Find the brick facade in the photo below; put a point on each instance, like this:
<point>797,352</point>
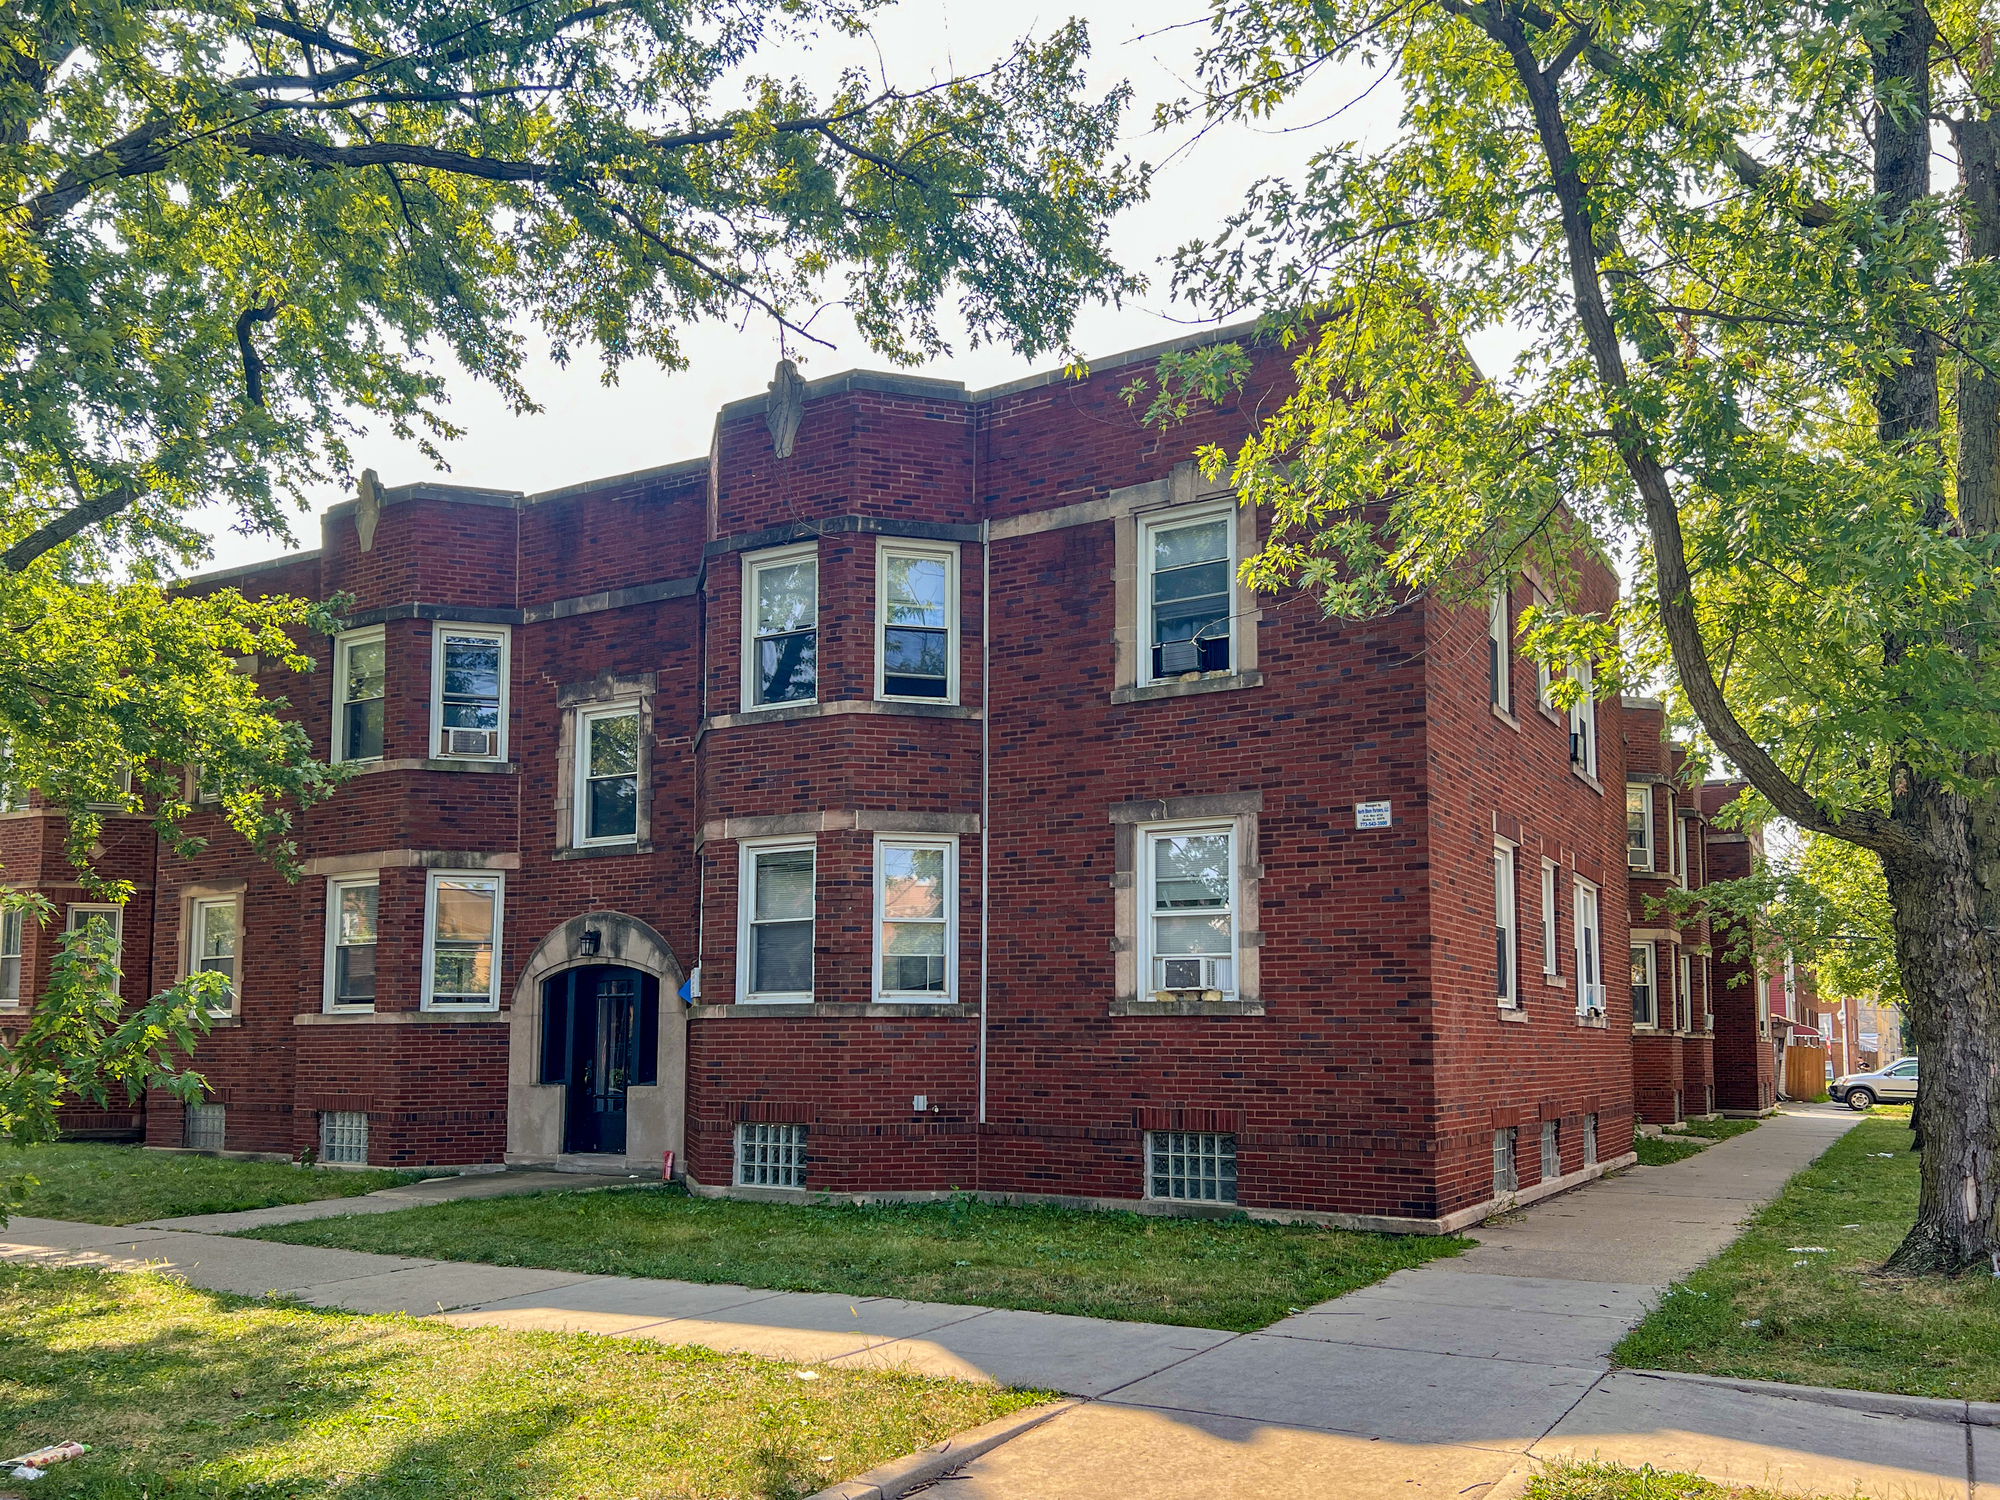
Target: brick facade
<point>1350,1046</point>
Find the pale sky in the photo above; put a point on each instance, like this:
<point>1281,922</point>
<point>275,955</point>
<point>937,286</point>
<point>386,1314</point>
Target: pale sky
<point>652,416</point>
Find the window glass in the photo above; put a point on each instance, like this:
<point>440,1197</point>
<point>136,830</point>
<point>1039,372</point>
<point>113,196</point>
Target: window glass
<point>1642,985</point>
<point>1498,663</point>
<point>363,679</point>
<point>10,958</point>
<point>914,912</point>
<point>1639,827</point>
<point>114,916</point>
<point>353,914</point>
<point>916,627</point>
<point>1583,723</point>
<point>469,684</point>
<point>215,942</point>
<point>1191,587</point>
<point>1551,947</point>
<point>611,775</point>
<point>1503,927</point>
<point>1192,917</point>
<point>784,631</point>
<point>1191,1167</point>
<point>462,922</point>
<point>781,922</point>
<point>13,796</point>
<point>1906,1069</point>
<point>1589,951</point>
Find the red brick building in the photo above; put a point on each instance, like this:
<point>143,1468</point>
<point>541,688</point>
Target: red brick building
<point>905,798</point>
<point>1672,980</point>
<point>1746,1053</point>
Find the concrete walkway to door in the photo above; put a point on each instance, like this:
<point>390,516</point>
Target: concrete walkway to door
<point>1442,1379</point>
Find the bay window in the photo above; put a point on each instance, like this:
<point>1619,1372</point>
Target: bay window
<point>781,627</point>
<point>775,937</point>
<point>461,942</point>
<point>360,678</point>
<point>917,622</point>
<point>915,918</point>
<point>351,904</point>
<point>469,692</point>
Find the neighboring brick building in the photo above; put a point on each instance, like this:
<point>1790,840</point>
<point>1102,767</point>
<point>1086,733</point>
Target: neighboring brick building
<point>1000,839</point>
<point>1673,1014</point>
<point>1746,1055</point>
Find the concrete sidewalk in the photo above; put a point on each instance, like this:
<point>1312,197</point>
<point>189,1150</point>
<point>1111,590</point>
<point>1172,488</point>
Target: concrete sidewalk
<point>1445,1378</point>
<point>391,1200</point>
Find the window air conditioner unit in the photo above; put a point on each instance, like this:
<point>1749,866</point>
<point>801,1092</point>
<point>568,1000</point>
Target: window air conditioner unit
<point>471,742</point>
<point>1177,657</point>
<point>1575,748</point>
<point>1193,973</point>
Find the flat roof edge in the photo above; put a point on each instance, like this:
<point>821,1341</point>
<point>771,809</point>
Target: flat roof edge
<point>661,471</point>
<point>223,575</point>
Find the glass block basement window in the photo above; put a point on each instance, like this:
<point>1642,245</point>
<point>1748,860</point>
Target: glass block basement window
<point>204,1128</point>
<point>771,1156</point>
<point>343,1137</point>
<point>1190,1167</point>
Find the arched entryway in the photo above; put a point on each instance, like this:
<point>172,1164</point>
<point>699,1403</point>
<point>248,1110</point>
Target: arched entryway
<point>598,1056</point>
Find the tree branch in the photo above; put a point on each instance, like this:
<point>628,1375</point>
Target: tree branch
<point>253,367</point>
<point>54,533</point>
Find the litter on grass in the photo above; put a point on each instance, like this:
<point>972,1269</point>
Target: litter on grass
<point>807,1374</point>
<point>1807,1249</point>
<point>32,1466</point>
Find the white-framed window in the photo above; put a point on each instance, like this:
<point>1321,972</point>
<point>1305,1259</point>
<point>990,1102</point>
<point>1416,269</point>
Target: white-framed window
<point>469,680</point>
<point>360,681</point>
<point>212,943</point>
<point>1506,936</point>
<point>80,915</point>
<point>343,1137</point>
<point>775,934</point>
<point>771,1156</point>
<point>1707,994</point>
<point>1681,851</point>
<point>1583,722</point>
<point>781,626</point>
<point>352,909</point>
<point>916,916</point>
<point>916,621</point>
<point>123,800</point>
<point>1589,934</point>
<point>607,775</point>
<point>10,957</point>
<point>1684,994</point>
<point>206,1127</point>
<point>1551,1150</point>
<point>462,941</point>
<point>1188,911</point>
<point>1499,658</point>
<point>1189,563</point>
<point>1542,677</point>
<point>1551,944</point>
<point>1638,825</point>
<point>1644,985</point>
<point>1187,1166</point>
<point>1505,1178</point>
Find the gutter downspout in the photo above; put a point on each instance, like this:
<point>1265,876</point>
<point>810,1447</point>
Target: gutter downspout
<point>985,761</point>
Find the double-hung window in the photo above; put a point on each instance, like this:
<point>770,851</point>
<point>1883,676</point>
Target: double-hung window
<point>781,627</point>
<point>916,903</point>
<point>1638,825</point>
<point>917,622</point>
<point>1190,568</point>
<point>351,907</point>
<point>1644,991</point>
<point>462,942</point>
<point>469,691</point>
<point>1542,696</point>
<point>1681,851</point>
<point>212,940</point>
<point>360,678</point>
<point>113,918</point>
<point>1189,912</point>
<point>1589,951</point>
<point>1583,722</point>
<point>1499,660</point>
<point>775,940</point>
<point>1684,997</point>
<point>607,775</point>
<point>1551,949</point>
<point>10,957</point>
<point>1506,937</point>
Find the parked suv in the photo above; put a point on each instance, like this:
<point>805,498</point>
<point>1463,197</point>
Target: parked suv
<point>1895,1084</point>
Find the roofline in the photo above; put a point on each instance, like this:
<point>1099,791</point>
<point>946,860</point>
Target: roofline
<point>223,575</point>
<point>660,471</point>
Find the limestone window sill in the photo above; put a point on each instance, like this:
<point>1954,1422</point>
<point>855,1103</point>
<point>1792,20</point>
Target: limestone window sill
<point>486,767</point>
<point>1586,778</point>
<point>753,1010</point>
<point>1189,687</point>
<point>400,1018</point>
<point>1505,717</point>
<point>1511,1013</point>
<point>1133,1006</point>
<point>604,851</point>
<point>1595,1023</point>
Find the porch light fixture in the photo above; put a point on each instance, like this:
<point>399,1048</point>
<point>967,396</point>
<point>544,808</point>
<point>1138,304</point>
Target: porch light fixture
<point>588,944</point>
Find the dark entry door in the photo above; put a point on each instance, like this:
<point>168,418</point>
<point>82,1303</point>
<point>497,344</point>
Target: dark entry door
<point>599,1035</point>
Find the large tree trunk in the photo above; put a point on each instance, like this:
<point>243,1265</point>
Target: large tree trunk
<point>1945,909</point>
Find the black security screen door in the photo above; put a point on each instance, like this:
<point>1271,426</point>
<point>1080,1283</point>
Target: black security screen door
<point>600,1035</point>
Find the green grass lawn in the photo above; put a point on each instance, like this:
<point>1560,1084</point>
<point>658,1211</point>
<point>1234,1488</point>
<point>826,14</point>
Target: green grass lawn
<point>1598,1481</point>
<point>1719,1130</point>
<point>129,1184</point>
<point>183,1392</point>
<point>1205,1273</point>
<point>1661,1151</point>
<point>1798,1298</point>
